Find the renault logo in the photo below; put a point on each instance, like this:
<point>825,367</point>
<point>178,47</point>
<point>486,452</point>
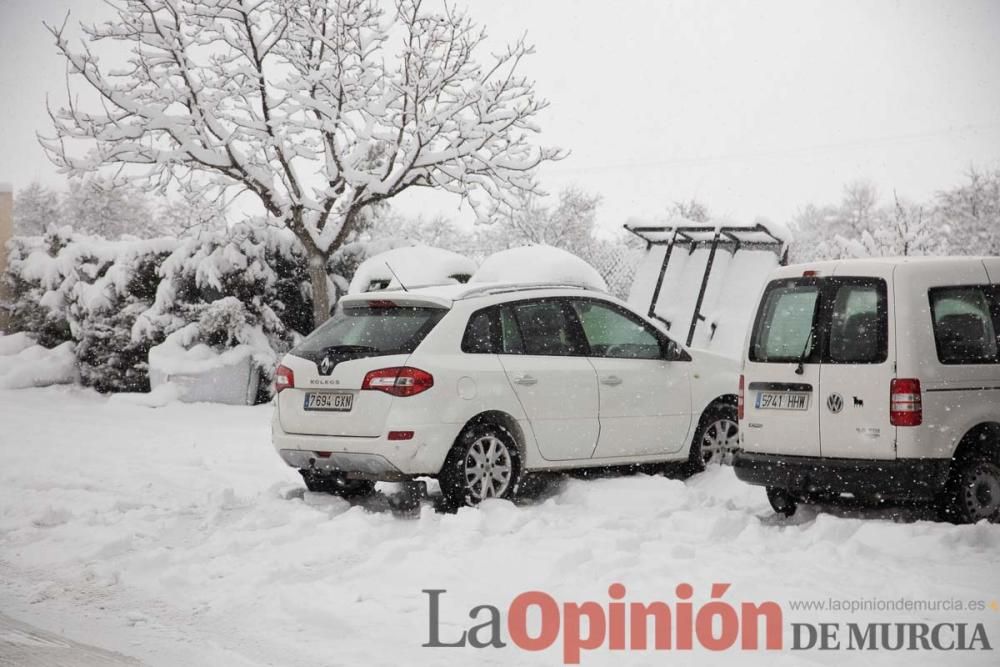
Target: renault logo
<point>835,402</point>
<point>326,366</point>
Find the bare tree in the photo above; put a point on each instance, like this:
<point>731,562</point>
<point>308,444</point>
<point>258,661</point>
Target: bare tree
<point>307,106</point>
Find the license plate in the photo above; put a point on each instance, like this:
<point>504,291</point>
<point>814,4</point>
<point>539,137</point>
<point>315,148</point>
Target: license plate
<point>782,400</point>
<point>329,400</point>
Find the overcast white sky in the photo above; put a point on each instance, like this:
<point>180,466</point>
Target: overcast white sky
<point>755,108</point>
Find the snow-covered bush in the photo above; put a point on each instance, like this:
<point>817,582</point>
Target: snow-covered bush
<point>241,286</point>
<point>71,287</point>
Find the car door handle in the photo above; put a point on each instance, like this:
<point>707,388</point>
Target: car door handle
<point>612,380</point>
<point>525,379</point>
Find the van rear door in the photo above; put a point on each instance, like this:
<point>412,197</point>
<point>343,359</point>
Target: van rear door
<point>782,371</point>
<point>857,367</point>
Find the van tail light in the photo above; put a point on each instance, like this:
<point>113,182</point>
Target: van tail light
<point>398,381</point>
<point>284,378</point>
<point>740,401</point>
<point>905,404</point>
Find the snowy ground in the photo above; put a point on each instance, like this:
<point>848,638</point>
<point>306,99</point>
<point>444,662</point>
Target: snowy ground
<point>175,536</point>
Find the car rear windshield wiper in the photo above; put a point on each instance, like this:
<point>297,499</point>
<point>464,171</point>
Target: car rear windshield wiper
<point>801,368</point>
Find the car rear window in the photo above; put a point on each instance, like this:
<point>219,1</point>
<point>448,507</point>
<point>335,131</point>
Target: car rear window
<point>371,331</point>
<point>966,320</point>
<point>783,332</point>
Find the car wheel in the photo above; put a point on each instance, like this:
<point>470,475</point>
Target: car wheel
<point>337,485</point>
<point>484,463</point>
<point>782,502</point>
<point>716,440</point>
<point>973,492</point>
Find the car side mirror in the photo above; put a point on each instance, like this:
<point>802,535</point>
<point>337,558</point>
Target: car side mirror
<point>674,352</point>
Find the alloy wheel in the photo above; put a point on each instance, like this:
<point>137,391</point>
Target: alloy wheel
<point>488,468</point>
<point>719,441</point>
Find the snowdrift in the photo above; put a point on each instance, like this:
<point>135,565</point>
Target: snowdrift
<point>24,364</point>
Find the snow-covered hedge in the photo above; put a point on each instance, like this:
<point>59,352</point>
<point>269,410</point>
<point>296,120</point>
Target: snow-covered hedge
<point>242,289</point>
<point>116,300</point>
<point>89,291</point>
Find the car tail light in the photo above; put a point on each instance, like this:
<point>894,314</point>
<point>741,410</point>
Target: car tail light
<point>284,378</point>
<point>400,435</point>
<point>399,381</point>
<point>905,404</point>
<point>739,401</point>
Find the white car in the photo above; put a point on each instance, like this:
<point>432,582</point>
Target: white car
<point>876,379</point>
<point>478,384</point>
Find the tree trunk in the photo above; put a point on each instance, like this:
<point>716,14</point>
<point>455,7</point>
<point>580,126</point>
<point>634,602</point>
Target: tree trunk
<point>320,288</point>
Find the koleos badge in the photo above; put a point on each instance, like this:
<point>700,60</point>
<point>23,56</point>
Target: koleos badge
<point>835,402</point>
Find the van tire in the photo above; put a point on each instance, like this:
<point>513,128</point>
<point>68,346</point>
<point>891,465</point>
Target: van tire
<point>492,449</point>
<point>972,492</point>
<point>716,418</point>
<point>782,502</point>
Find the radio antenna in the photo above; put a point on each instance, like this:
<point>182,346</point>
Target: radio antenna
<point>396,277</point>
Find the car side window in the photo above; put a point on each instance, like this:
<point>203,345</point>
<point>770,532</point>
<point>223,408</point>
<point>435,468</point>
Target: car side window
<point>612,334</point>
<point>964,327</point>
<point>859,325</point>
<point>546,328</point>
<point>510,334</point>
<point>479,335</point>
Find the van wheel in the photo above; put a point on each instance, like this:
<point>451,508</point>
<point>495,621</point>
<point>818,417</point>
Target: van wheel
<point>335,484</point>
<point>972,493</point>
<point>716,440</point>
<point>484,463</point>
<point>782,501</point>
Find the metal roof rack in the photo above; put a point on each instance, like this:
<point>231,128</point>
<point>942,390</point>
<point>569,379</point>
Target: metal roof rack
<point>692,236</point>
<point>502,288</point>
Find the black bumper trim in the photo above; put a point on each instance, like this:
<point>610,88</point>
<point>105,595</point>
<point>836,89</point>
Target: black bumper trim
<point>911,479</point>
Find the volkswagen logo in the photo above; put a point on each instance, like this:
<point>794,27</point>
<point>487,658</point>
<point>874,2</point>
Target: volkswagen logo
<point>835,402</point>
<point>326,366</point>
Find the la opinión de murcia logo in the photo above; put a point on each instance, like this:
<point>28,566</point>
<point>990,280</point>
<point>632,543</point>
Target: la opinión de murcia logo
<point>536,621</point>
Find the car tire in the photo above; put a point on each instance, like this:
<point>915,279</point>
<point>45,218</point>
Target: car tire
<point>716,439</point>
<point>483,463</point>
<point>782,502</point>
<point>337,485</point>
<point>972,492</point>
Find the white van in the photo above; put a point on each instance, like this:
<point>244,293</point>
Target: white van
<point>876,379</point>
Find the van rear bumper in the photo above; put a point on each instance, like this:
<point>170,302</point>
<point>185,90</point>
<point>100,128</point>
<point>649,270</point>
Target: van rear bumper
<point>911,479</point>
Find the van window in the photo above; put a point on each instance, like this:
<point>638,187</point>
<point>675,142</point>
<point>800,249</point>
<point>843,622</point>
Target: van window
<point>965,329</point>
<point>784,327</point>
<point>859,324</point>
